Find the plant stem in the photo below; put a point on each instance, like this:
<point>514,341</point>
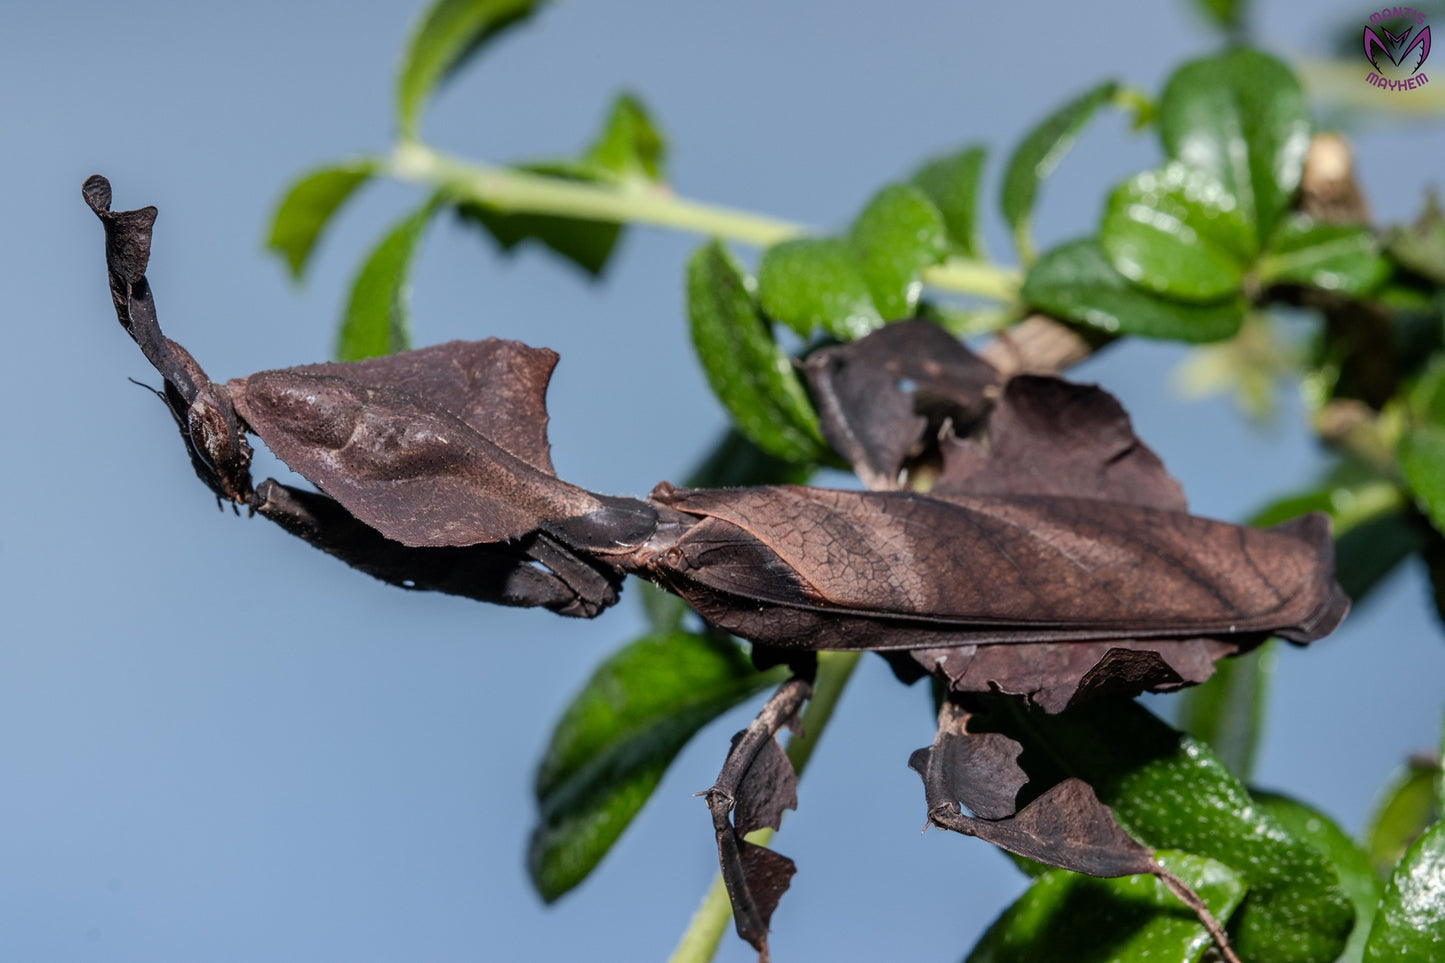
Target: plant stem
<point>700,941</point>
<point>508,189</point>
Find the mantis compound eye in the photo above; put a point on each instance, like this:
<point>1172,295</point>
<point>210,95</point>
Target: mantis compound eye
<point>217,440</point>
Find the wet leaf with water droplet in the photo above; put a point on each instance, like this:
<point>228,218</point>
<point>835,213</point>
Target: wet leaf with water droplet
<point>1242,116</point>
<point>1076,281</point>
<point>1180,233</point>
<point>1131,919</point>
<point>1411,922</point>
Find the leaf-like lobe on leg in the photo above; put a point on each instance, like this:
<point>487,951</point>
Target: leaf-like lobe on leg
<point>755,786</point>
<point>1048,436</point>
<point>1067,826</point>
<point>881,399</point>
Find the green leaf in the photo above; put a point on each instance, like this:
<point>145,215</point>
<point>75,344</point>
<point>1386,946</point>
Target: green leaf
<point>1332,257</point>
<point>446,35</point>
<point>1422,463</point>
<point>1227,15</point>
<point>1170,791</point>
<point>631,146</point>
<point>1040,151</point>
<point>1440,772</point>
<point>1178,232</point>
<point>1133,919</point>
<point>951,183</point>
<point>1242,116</point>
<point>816,283</point>
<point>584,243</point>
<point>309,204</point>
<point>965,322</point>
<point>735,462</point>
<point>1077,282</point>
<point>664,610</point>
<point>378,315</point>
<point>1408,804</point>
<point>1366,554</point>
<point>752,377</point>
<point>617,738</point>
<point>628,152</point>
<point>1427,395</point>
<point>1227,712</point>
<point>1411,922</point>
<point>1357,879</point>
<point>897,235</point>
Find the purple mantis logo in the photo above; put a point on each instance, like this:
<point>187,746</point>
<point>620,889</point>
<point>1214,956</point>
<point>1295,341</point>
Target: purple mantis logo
<point>1389,33</point>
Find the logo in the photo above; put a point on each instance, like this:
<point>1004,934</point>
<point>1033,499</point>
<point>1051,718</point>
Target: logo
<point>1391,40</point>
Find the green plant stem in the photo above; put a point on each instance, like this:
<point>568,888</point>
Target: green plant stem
<point>507,189</point>
<point>700,941</point>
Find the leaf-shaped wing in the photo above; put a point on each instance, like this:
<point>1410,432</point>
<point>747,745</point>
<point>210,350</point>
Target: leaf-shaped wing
<point>894,570</point>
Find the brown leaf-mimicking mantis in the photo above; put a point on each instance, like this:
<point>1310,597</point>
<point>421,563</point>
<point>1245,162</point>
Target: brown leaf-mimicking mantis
<point>1052,557</point>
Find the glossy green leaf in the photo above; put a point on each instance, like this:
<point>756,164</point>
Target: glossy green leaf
<point>308,206</point>
<point>1227,712</point>
<point>1077,282</point>
<point>629,151</point>
<point>752,376</point>
<point>1170,791</point>
<point>952,182</point>
<point>1242,116</point>
<point>1357,878</point>
<point>898,234</point>
<point>1332,257</point>
<point>1411,922</point>
<point>1179,233</point>
<point>1133,919</point>
<point>617,738</point>
<point>378,315</point>
<point>1422,462</point>
<point>1039,153</point>
<point>446,35</point>
<point>816,283</point>
<point>1407,805</point>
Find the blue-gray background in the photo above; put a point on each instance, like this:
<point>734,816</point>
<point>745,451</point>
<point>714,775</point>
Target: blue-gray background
<point>217,744</point>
